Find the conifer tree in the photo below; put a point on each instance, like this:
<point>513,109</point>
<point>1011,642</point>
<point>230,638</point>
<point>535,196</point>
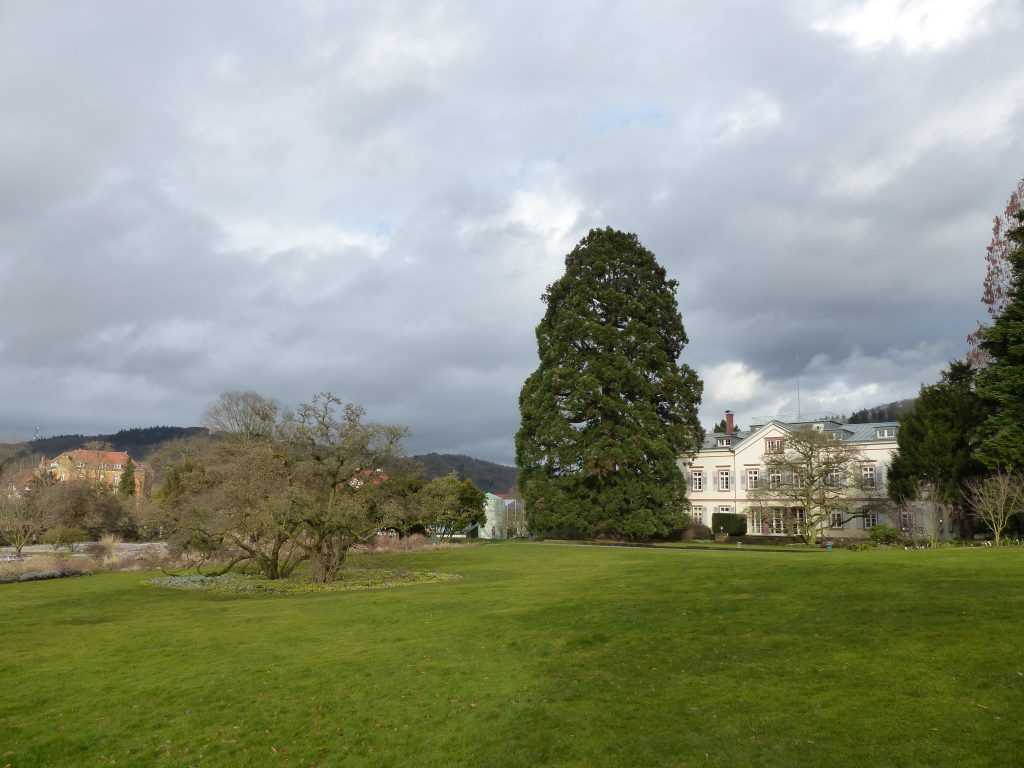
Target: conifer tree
<point>127,483</point>
<point>936,454</point>
<point>1001,383</point>
<point>610,409</point>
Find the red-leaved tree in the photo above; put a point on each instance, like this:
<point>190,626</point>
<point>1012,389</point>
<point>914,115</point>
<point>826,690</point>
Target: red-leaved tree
<point>997,270</point>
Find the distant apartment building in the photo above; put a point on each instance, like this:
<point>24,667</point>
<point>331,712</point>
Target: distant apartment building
<point>101,467</point>
<point>730,464</point>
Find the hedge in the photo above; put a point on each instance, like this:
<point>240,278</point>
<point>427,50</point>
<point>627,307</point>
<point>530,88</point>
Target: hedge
<point>730,522</point>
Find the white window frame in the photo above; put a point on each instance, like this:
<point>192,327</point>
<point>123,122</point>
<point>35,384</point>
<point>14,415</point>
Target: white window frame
<point>724,509</point>
<point>773,445</point>
<point>755,521</point>
<point>777,520</point>
<point>799,520</point>
<point>868,476</point>
<point>870,519</point>
<point>724,442</point>
<point>775,479</point>
<point>697,480</point>
<point>836,519</point>
<point>753,477</point>
<point>697,514</point>
<point>725,480</point>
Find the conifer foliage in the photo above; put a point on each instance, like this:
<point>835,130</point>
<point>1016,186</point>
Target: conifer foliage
<point>610,409</point>
<point>1001,382</point>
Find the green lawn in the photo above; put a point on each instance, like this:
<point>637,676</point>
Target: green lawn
<point>543,654</point>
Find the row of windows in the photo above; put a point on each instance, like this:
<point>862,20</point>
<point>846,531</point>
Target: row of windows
<point>868,478</point>
<point>774,521</point>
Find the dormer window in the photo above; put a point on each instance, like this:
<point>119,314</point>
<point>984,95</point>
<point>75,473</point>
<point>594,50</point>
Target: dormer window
<point>724,442</point>
<point>884,432</point>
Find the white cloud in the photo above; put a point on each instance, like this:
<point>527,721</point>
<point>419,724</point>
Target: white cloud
<point>733,382</point>
<point>754,113</point>
<point>917,25</point>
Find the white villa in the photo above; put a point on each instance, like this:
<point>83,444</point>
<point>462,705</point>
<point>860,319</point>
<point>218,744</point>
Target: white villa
<point>731,462</point>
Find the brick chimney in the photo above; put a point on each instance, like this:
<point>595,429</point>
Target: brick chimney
<point>729,427</point>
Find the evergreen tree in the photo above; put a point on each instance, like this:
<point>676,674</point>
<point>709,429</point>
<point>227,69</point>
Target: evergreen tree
<point>1001,383</point>
<point>127,483</point>
<point>610,409</point>
<point>935,441</point>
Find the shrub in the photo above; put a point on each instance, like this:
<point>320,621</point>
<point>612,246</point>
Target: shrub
<point>104,551</point>
<point>884,534</point>
<point>63,536</point>
<point>698,532</point>
<point>730,523</point>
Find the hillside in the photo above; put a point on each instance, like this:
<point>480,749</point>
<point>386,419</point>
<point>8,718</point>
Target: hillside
<point>138,442</point>
<point>488,476</point>
<point>889,412</point>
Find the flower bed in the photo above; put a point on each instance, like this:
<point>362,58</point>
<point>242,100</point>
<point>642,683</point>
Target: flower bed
<point>352,580</point>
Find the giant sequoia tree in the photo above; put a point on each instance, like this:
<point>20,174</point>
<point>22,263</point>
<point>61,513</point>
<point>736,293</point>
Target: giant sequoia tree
<point>1001,383</point>
<point>610,409</point>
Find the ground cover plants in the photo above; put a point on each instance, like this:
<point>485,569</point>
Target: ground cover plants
<point>540,654</point>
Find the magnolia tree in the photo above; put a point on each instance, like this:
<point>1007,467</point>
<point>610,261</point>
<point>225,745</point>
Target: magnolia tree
<point>996,286</point>
<point>307,486</point>
<point>808,483</point>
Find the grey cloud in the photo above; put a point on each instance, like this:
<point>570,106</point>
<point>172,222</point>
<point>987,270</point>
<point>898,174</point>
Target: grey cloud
<point>371,200</point>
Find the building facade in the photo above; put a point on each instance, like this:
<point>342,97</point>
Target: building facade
<point>101,467</point>
<point>731,464</point>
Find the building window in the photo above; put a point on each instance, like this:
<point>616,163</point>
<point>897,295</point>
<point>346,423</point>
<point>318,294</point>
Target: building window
<point>724,478</point>
<point>870,519</point>
<point>834,478</point>
<point>906,520</point>
<point>755,522</point>
<point>778,521</point>
<point>697,480</point>
<point>774,479</point>
<point>697,513</point>
<point>773,445</point>
<point>884,432</point>
<point>867,475</point>
<point>724,442</point>
<point>725,509</point>
<point>753,475</point>
<point>836,519</point>
<point>799,518</point>
<point>797,482</point>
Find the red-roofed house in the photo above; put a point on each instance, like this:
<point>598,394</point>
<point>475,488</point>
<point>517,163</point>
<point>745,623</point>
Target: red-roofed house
<point>104,467</point>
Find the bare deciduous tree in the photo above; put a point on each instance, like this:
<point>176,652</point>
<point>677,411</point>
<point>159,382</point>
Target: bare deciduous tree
<point>809,481</point>
<point>996,499</point>
<point>21,522</point>
<point>247,414</point>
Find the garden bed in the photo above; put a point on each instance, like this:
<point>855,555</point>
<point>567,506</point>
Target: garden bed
<point>353,580</point>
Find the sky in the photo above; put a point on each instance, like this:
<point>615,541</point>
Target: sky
<point>370,198</point>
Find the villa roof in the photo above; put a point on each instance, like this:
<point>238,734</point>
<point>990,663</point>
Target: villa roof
<point>854,433</point>
<point>95,458</point>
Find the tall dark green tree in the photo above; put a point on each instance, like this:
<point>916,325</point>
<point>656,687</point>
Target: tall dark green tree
<point>610,409</point>
<point>1001,382</point>
<point>127,483</point>
<point>936,452</point>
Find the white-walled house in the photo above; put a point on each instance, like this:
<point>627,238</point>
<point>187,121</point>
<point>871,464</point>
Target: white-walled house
<point>730,463</point>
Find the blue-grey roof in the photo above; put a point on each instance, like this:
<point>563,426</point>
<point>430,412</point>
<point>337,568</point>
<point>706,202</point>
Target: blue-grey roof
<point>855,433</point>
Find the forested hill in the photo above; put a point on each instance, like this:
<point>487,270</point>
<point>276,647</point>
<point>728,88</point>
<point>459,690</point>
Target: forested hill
<point>488,476</point>
<point>139,442</point>
<point>888,412</point>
